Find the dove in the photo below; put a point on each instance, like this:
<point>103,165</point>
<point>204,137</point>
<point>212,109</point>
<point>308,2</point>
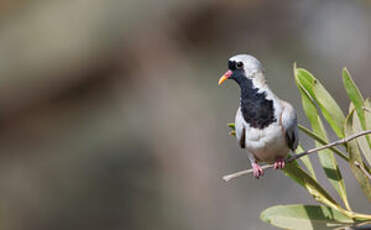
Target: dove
<point>266,126</point>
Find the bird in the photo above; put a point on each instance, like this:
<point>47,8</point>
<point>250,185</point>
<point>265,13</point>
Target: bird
<point>266,126</point>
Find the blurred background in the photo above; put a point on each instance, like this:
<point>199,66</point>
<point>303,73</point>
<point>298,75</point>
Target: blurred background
<point>111,116</point>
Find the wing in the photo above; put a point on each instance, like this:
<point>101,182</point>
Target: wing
<point>240,129</point>
<point>289,123</point>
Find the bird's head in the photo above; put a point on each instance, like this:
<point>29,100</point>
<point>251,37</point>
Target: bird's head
<point>243,66</point>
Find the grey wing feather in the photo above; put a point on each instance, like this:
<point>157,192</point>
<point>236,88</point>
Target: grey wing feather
<point>240,129</point>
<point>290,126</point>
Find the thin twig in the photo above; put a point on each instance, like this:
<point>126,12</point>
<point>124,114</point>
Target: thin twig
<point>356,163</point>
<point>297,156</point>
<point>366,109</point>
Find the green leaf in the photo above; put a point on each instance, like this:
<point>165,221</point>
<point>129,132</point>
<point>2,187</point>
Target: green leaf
<point>306,161</point>
<point>326,157</point>
<point>295,172</point>
<point>362,141</point>
<point>304,217</point>
<point>355,156</point>
<point>356,98</point>
<point>231,125</point>
<point>329,108</point>
<point>233,131</point>
<point>367,109</point>
<point>354,95</point>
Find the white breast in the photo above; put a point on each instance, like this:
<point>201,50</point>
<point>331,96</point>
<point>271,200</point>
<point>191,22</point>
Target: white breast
<point>268,143</point>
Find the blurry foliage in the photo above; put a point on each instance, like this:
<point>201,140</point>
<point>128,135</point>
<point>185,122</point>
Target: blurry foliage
<point>316,100</point>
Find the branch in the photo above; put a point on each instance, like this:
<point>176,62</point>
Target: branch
<point>366,109</point>
<point>362,169</point>
<point>297,156</point>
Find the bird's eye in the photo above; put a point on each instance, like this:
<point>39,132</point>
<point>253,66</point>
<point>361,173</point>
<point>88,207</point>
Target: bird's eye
<point>239,65</point>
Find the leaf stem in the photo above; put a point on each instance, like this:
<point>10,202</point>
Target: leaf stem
<point>356,163</point>
<point>319,139</point>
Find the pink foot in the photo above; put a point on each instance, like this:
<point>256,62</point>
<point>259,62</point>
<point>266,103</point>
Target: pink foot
<point>258,171</point>
<point>279,163</point>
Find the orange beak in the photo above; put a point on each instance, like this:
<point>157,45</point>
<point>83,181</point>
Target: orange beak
<point>225,77</point>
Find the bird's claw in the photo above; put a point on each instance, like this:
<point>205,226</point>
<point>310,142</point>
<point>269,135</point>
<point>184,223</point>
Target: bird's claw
<point>257,170</point>
<point>279,163</point>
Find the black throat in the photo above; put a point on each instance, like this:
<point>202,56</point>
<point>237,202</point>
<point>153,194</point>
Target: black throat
<point>256,109</point>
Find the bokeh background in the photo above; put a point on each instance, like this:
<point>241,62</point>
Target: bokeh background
<point>111,117</point>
